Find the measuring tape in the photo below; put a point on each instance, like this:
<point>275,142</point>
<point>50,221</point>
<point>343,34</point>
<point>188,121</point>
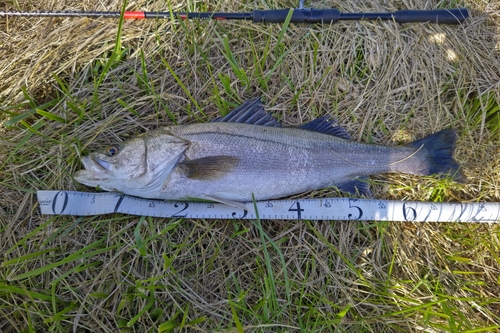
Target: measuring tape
<point>84,204</point>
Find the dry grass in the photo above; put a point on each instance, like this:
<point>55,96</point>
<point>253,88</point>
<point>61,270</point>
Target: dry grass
<point>387,83</point>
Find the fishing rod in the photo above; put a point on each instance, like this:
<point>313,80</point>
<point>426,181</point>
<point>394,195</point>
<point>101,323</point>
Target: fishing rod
<point>299,15</point>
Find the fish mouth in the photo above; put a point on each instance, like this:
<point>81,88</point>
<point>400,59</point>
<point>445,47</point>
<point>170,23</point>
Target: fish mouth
<point>103,164</point>
<point>93,168</point>
<point>92,163</point>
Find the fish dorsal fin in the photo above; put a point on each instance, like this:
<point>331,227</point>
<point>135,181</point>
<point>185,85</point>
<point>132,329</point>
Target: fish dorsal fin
<point>326,125</point>
<point>210,167</point>
<point>250,112</point>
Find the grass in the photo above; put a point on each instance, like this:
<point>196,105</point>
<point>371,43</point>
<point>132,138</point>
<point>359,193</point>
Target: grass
<point>69,86</point>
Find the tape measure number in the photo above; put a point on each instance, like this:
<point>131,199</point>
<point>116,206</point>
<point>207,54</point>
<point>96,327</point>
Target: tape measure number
<point>85,204</point>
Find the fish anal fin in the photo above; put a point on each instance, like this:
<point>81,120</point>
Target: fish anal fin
<point>251,112</point>
<point>358,186</point>
<point>210,167</point>
<point>326,125</point>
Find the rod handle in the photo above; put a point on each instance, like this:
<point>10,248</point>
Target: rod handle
<point>440,16</point>
<point>298,16</point>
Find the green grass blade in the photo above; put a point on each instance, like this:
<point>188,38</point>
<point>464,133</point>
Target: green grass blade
<point>14,120</point>
<point>239,327</point>
<point>50,116</point>
<point>37,126</point>
<point>186,91</point>
<point>148,306</point>
<point>31,294</point>
<point>79,255</point>
<point>283,31</point>
<point>138,239</point>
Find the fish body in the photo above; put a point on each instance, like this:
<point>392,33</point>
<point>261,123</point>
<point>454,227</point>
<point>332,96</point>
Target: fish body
<point>247,153</point>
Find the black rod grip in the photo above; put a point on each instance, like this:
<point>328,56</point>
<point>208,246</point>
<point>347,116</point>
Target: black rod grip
<point>298,16</point>
<point>440,16</point>
<point>308,15</point>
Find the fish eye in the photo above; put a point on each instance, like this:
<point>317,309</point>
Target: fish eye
<point>112,150</point>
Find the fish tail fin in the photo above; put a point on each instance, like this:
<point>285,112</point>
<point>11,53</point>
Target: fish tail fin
<point>439,148</point>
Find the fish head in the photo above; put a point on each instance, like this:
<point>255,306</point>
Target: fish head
<point>138,166</point>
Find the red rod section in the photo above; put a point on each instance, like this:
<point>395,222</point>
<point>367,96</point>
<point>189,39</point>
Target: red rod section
<point>134,15</point>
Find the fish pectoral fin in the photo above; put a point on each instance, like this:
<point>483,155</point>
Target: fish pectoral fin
<point>221,197</point>
<point>210,167</point>
<point>359,186</point>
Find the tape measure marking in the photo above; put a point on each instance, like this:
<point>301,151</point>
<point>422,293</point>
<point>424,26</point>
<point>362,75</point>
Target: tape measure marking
<point>85,204</point>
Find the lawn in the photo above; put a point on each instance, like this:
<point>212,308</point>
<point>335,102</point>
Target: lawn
<point>72,85</point>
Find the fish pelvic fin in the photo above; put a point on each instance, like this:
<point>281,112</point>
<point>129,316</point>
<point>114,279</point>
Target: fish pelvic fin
<point>439,149</point>
<point>224,198</point>
<point>210,167</point>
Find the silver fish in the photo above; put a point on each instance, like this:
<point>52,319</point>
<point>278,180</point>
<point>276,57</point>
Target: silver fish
<point>247,152</point>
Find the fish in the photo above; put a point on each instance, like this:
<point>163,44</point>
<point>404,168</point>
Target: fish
<point>247,155</point>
